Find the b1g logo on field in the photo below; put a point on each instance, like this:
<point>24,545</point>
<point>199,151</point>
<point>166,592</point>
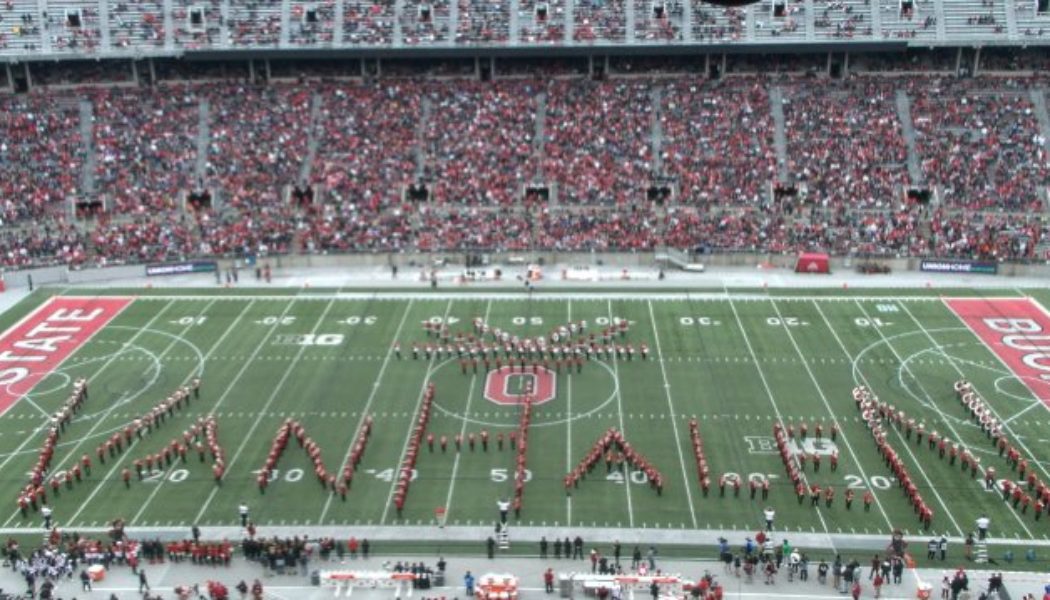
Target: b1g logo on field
<point>510,386</point>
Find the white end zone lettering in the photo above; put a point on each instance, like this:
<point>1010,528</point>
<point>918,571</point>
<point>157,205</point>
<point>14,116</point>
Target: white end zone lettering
<point>40,342</point>
<point>1015,330</point>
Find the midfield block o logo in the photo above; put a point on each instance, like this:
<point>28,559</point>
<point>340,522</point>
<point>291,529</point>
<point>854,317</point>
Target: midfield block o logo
<point>510,385</point>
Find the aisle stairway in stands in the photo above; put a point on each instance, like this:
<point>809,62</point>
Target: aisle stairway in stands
<point>306,169</point>
<point>1010,8</point>
<point>87,140</point>
<point>776,108</point>
<point>286,18</point>
<point>657,135</point>
<point>420,150</point>
<point>908,131</point>
<point>942,26</point>
<point>203,139</point>
<point>1038,96</point>
<point>538,146</point>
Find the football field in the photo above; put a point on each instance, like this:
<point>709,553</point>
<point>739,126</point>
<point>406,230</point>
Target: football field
<point>737,362</point>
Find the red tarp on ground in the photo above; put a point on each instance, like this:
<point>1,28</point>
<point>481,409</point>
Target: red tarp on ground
<point>812,262</point>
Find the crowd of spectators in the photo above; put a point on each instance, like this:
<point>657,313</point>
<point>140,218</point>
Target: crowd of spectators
<point>541,21</point>
<point>194,34</point>
<point>658,21</point>
<point>145,146</point>
<point>843,18</point>
<point>368,22</point>
<point>40,156</point>
<point>75,29</point>
<point>368,142</point>
<point>598,140</point>
<point>984,148</point>
<point>442,164</point>
<point>479,141</point>
<point>258,140</point>
<point>75,26</point>
<point>254,24</point>
<point>138,24</point>
<point>311,25</point>
<point>718,140</point>
<point>846,144</point>
<point>483,21</point>
<point>717,24</point>
<point>425,22</point>
<point>599,21</point>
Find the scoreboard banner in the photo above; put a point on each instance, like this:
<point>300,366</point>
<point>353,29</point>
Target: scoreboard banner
<point>182,268</point>
<point>979,267</point>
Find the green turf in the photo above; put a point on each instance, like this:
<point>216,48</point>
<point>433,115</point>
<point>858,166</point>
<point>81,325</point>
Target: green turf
<point>735,364</point>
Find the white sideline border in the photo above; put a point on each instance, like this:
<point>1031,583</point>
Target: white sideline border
<point>497,296</point>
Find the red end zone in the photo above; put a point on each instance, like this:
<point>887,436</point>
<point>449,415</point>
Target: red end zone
<point>1017,330</point>
<point>37,344</point>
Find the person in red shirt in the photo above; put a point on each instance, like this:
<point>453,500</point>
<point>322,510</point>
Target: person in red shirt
<point>548,581</point>
<point>352,547</point>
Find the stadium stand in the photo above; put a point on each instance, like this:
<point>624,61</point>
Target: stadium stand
<point>73,27</point>
<point>568,163</point>
<point>492,142</point>
<point>599,21</point>
<point>146,147</point>
<point>40,156</point>
<point>718,141</point>
<point>598,147</point>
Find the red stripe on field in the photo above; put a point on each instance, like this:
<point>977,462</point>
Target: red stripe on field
<point>36,345</point>
<point>1017,330</point>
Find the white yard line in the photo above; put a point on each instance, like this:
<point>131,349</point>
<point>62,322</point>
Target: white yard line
<point>1034,405</point>
<point>674,415</point>
<point>772,401</point>
<point>230,386</point>
<point>262,413</point>
<point>99,420</point>
<point>368,406</point>
<point>929,399</point>
<point>117,464</point>
<point>568,433</point>
<point>415,413</point>
<point>907,446</point>
<point>827,405</point>
<point>463,431</point>
<point>952,361</point>
<point>619,410</point>
<point>47,421</point>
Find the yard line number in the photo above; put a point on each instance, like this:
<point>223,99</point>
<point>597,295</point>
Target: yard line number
<point>785,321</point>
<point>879,482</point>
<point>501,475</point>
<point>176,476</point>
<point>699,321</point>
